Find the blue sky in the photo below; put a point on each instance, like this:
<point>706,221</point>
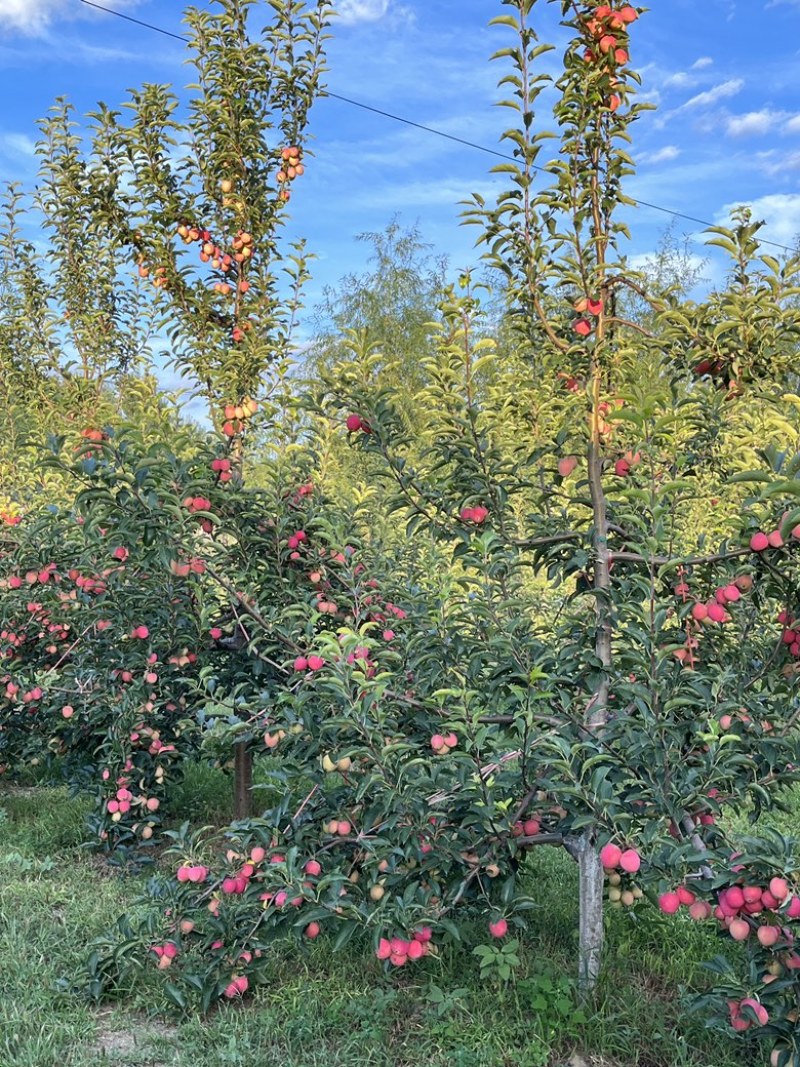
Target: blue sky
<point>724,74</point>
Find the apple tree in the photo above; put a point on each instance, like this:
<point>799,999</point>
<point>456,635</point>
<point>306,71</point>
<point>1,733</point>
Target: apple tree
<point>585,638</point>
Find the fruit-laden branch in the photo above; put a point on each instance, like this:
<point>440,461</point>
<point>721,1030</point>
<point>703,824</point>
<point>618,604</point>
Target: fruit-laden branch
<point>691,561</point>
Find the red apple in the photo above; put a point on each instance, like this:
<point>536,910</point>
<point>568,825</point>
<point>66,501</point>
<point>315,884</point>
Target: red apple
<point>499,928</point>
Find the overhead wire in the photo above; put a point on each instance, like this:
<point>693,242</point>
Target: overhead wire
<point>432,130</point>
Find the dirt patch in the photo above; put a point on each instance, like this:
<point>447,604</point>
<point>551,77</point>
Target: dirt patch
<point>576,1060</point>
<point>129,1043</point>
<point>20,792</point>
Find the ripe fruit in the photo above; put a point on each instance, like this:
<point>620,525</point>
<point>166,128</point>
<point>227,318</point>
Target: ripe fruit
<point>768,935</point>
<point>312,930</point>
<point>739,929</point>
<point>669,903</point>
<point>610,856</point>
<point>499,928</point>
<point>758,1009</point>
<point>416,950</point>
<point>476,515</point>
<point>582,327</point>
<point>567,465</point>
<point>759,542</point>
<point>779,888</point>
<point>353,423</point>
<point>630,861</point>
<point>733,898</point>
<point>237,986</point>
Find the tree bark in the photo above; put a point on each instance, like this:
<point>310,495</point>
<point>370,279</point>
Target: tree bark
<point>589,866</point>
<point>591,872</point>
<point>242,781</point>
<point>590,876</point>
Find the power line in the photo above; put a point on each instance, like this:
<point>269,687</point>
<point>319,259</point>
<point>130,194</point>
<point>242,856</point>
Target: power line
<point>431,129</point>
<point>138,22</point>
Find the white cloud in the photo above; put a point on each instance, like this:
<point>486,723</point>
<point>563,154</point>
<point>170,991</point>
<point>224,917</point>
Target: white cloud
<point>361,10</point>
<point>17,144</point>
<point>30,16</point>
<point>702,62</point>
<point>727,88</point>
<point>702,101</point>
<point>776,165</point>
<point>793,125</point>
<point>680,80</point>
<point>661,155</point>
<point>780,212</point>
<point>754,122</point>
<point>33,17</point>
<point>648,261</point>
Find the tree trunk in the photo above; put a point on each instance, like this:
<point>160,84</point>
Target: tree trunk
<point>242,781</point>
<point>591,913</point>
<point>590,868</point>
<point>242,757</point>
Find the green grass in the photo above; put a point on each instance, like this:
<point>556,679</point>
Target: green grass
<point>316,1008</point>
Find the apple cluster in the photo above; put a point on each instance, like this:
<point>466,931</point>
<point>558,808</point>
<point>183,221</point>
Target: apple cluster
<point>236,415</point>
<point>609,30</point>
<point>791,632</point>
<point>222,467</point>
<point>715,610</point>
<point>291,168</point>
<point>761,542</point>
<point>583,326</point>
<point>618,864</point>
<point>197,503</point>
<point>441,745</point>
<point>399,951</point>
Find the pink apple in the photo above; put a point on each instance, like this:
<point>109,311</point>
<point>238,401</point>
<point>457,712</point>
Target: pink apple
<point>669,903</point>
<point>610,855</point>
<point>630,861</point>
<point>499,928</point>
<point>759,542</point>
